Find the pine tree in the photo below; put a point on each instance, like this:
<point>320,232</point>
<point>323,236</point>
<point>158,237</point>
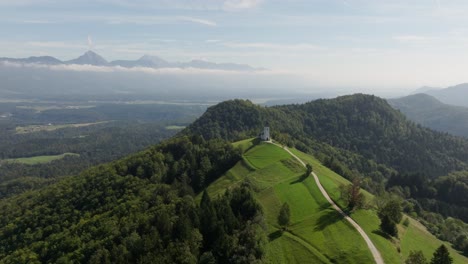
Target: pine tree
<point>208,220</point>
<point>441,256</point>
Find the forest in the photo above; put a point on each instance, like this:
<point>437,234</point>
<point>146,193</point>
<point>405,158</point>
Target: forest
<point>138,209</point>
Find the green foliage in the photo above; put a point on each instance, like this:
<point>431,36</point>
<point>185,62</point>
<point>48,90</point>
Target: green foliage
<point>136,210</point>
<point>441,256</point>
<point>406,222</point>
<point>284,216</point>
<point>390,215</point>
<point>352,194</point>
<point>309,170</point>
<point>416,257</point>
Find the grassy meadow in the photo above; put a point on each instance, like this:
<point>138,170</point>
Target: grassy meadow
<point>40,159</point>
<point>317,233</point>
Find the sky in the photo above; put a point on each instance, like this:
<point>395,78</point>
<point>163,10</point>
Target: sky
<point>361,45</point>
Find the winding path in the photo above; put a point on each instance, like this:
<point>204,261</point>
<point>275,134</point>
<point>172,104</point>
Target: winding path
<point>375,253</point>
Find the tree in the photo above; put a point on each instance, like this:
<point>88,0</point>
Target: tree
<point>390,215</point>
<point>352,194</point>
<point>441,256</point>
<point>284,216</point>
<point>388,226</point>
<point>416,257</point>
<point>308,170</point>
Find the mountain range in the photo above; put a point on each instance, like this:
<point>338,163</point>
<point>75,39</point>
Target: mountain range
<point>454,95</point>
<point>92,58</point>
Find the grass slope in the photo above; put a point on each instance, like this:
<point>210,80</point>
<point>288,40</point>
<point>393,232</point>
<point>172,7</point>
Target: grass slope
<point>40,159</point>
<point>413,237</point>
<point>317,233</point>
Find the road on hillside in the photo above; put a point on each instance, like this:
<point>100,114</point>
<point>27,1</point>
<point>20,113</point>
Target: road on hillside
<point>375,253</point>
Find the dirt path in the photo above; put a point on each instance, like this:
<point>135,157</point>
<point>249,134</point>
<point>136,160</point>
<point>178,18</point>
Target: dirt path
<point>375,253</point>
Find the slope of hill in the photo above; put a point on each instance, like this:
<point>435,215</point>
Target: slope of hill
<point>430,112</point>
<point>317,232</point>
<point>454,95</point>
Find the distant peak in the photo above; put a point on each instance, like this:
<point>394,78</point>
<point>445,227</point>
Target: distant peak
<point>148,57</point>
<point>91,53</point>
<point>90,57</point>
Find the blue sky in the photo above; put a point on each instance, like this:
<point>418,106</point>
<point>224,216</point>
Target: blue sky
<point>374,44</point>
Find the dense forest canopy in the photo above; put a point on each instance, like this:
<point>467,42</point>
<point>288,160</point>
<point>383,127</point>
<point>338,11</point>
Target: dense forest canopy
<point>138,209</point>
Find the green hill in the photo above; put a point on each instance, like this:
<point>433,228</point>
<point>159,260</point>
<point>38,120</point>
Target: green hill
<point>354,135</point>
<point>359,127</point>
<point>317,232</point>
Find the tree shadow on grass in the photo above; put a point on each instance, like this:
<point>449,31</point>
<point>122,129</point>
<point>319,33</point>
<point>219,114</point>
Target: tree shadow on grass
<point>328,218</point>
<point>255,142</point>
<point>382,234</point>
<point>325,206</point>
<point>275,235</point>
<point>299,180</point>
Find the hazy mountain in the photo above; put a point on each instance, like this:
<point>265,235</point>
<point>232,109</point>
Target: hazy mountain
<point>454,95</point>
<point>425,89</point>
<point>89,58</point>
<point>430,112</point>
<point>48,60</point>
<point>145,61</point>
<point>148,61</point>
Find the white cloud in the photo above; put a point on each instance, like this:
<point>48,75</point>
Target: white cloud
<point>53,44</point>
<point>241,4</point>
<point>198,20</point>
<point>164,71</point>
<point>273,46</point>
<point>150,20</point>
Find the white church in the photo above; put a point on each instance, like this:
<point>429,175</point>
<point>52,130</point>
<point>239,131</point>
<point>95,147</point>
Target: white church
<point>265,134</point>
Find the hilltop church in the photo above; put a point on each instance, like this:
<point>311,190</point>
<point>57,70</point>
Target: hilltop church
<point>265,134</point>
